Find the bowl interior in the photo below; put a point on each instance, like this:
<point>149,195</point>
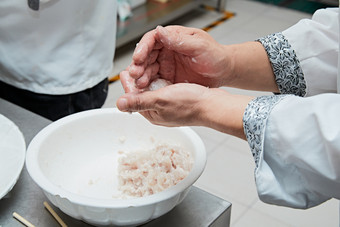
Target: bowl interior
<point>79,153</point>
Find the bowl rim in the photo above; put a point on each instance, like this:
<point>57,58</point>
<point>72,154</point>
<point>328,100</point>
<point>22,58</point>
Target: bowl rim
<point>33,167</point>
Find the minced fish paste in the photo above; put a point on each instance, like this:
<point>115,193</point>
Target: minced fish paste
<point>145,172</point>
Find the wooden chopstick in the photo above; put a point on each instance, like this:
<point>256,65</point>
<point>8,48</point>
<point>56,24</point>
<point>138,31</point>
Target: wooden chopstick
<point>55,215</point>
<point>22,220</point>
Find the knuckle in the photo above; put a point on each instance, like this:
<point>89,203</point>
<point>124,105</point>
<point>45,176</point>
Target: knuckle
<point>138,104</point>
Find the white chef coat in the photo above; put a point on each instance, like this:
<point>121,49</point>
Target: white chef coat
<point>295,140</point>
<point>64,47</point>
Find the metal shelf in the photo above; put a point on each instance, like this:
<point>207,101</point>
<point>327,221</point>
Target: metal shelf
<point>149,15</point>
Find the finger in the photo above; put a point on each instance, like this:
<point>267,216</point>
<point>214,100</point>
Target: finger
<point>148,75</point>
<point>145,46</point>
<point>153,56</point>
<point>127,82</point>
<point>137,102</point>
<point>180,39</point>
<point>136,71</point>
<point>142,51</point>
<point>166,61</point>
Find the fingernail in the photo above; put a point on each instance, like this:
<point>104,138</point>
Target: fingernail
<point>163,30</point>
<point>122,104</point>
<point>138,49</point>
<point>164,33</point>
<point>159,27</point>
<point>141,83</point>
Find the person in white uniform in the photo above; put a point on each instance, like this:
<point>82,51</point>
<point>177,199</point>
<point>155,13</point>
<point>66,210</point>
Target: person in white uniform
<point>294,135</point>
<point>56,56</point>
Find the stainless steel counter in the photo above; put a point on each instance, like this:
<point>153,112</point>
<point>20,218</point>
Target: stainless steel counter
<point>199,208</point>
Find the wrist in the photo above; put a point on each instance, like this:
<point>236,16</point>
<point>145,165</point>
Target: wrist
<point>226,65</point>
<point>249,67</point>
<point>223,111</point>
<point>229,61</point>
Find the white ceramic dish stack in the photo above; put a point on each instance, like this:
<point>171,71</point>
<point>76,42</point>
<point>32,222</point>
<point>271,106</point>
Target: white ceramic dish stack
<point>12,155</point>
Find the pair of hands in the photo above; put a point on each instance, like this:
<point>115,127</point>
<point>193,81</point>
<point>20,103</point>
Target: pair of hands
<point>196,65</point>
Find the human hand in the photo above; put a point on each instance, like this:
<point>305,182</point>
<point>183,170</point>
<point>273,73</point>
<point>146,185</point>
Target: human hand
<point>175,105</point>
<point>178,54</point>
<point>185,104</point>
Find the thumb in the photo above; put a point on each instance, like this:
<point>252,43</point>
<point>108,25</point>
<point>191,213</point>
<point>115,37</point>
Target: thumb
<point>135,102</point>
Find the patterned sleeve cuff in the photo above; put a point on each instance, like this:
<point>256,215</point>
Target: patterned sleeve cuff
<point>286,66</point>
<point>255,120</point>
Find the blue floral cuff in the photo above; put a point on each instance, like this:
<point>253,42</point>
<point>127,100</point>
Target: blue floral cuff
<point>255,120</point>
<point>286,66</point>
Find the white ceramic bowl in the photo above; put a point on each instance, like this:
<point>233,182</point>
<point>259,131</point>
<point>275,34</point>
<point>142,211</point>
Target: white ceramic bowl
<point>74,161</point>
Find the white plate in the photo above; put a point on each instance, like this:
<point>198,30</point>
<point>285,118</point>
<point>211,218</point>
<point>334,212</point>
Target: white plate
<point>12,154</point>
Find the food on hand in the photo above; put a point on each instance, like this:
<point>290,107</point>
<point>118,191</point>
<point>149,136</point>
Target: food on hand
<point>157,84</point>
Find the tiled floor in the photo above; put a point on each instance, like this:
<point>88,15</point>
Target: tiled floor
<point>230,166</point>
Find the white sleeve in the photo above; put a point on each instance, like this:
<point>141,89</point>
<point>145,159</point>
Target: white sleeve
<point>295,140</point>
<point>296,145</point>
<point>316,42</point>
